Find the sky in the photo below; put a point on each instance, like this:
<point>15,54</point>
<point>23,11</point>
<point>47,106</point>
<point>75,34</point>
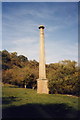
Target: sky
<point>20,33</point>
<point>40,0</point>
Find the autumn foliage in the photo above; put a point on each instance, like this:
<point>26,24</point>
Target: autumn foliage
<point>18,70</point>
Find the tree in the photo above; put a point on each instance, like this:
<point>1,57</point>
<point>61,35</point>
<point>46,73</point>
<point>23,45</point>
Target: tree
<point>18,70</point>
<point>63,79</point>
<point>22,58</point>
<point>5,56</point>
<point>7,76</point>
<point>5,59</point>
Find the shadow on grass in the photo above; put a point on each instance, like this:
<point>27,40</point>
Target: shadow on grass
<point>40,111</point>
<point>8,100</point>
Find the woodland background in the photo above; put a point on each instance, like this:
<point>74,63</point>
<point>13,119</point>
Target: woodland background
<point>18,70</point>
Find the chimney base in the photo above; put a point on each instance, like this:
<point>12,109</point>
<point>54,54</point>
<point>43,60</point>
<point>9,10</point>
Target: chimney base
<point>42,86</point>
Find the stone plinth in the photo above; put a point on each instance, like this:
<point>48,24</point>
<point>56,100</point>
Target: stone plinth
<point>42,86</point>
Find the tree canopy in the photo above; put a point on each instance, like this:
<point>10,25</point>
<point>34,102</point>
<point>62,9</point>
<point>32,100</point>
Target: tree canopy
<point>63,76</point>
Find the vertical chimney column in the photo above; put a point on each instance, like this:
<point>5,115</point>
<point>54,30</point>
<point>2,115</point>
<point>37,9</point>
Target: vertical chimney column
<point>42,73</point>
<point>42,82</point>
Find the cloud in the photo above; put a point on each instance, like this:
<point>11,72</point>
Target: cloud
<point>27,47</point>
<point>57,51</point>
<point>21,34</point>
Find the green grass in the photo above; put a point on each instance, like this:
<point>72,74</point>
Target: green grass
<point>26,103</point>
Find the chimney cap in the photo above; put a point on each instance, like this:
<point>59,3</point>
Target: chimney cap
<point>41,26</point>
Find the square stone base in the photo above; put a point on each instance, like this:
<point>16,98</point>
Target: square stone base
<point>42,86</point>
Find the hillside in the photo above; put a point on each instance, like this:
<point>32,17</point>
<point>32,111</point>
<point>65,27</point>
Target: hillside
<point>26,103</point>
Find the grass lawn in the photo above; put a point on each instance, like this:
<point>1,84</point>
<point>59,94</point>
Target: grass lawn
<point>26,103</point>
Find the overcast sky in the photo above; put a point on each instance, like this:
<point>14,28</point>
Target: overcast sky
<point>21,34</point>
